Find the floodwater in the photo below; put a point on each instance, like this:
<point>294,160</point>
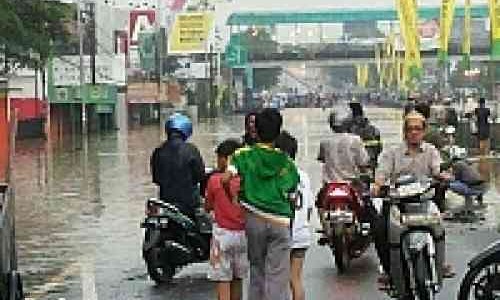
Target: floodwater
<point>79,203</point>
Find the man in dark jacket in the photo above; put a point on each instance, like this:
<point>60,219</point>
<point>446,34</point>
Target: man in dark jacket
<point>177,166</point>
<point>483,126</point>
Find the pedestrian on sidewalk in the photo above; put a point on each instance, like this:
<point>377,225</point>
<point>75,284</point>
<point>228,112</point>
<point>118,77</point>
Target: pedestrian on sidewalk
<point>228,248</point>
<point>301,233</point>
<point>268,177</point>
<point>483,125</point>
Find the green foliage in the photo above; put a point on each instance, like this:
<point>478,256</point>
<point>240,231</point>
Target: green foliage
<point>31,26</point>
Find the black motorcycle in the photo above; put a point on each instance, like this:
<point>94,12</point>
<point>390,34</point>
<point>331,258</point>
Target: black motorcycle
<point>482,280</point>
<point>173,240</point>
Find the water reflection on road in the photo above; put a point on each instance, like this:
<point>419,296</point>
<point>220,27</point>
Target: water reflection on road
<point>80,201</point>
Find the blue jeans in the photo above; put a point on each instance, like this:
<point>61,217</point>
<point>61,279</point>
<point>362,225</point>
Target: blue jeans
<point>463,189</point>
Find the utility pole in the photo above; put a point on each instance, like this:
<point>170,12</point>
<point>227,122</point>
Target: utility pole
<point>159,53</point>
<point>91,10</point>
<point>82,73</point>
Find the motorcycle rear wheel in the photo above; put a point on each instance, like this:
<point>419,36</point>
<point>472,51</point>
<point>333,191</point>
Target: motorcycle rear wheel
<point>341,253</point>
<point>161,273</point>
<point>483,287</point>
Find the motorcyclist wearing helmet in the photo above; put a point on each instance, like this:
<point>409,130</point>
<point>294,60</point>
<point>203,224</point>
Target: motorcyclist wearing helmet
<point>343,156</point>
<point>177,166</point>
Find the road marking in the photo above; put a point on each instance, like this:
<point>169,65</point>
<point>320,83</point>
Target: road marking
<point>87,274</point>
<point>52,283</point>
<point>86,267</point>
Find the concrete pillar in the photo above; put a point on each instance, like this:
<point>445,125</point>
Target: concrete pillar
<point>121,112</point>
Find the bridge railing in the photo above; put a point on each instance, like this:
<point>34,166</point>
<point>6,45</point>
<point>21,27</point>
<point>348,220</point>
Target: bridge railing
<point>345,54</point>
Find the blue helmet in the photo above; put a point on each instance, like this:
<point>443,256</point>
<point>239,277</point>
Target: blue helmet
<point>180,123</point>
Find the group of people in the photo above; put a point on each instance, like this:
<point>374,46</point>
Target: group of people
<point>262,202</point>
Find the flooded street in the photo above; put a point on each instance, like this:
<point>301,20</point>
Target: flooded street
<point>80,203</point>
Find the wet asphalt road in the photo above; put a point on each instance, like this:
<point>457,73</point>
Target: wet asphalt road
<point>80,202</point>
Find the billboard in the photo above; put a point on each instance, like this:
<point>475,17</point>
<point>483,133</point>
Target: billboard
<point>190,33</point>
<point>140,20</point>
<point>109,69</point>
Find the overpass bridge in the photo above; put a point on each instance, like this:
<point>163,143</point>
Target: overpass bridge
<point>272,18</point>
<point>342,52</point>
<point>342,62</point>
<point>343,56</point>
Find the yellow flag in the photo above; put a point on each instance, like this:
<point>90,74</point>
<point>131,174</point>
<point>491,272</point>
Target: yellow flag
<point>407,10</point>
<point>495,19</point>
<point>447,12</point>
<point>467,29</point>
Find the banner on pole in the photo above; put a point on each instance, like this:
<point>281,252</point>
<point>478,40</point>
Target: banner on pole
<point>446,21</point>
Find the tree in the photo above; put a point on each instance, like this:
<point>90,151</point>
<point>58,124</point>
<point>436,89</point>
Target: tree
<point>32,26</point>
<point>260,42</point>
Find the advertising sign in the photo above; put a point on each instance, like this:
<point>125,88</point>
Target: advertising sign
<point>190,33</point>
<point>140,20</point>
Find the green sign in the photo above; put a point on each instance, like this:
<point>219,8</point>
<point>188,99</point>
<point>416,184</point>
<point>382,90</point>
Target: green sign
<point>101,93</point>
<point>236,56</point>
<point>92,94</point>
<point>236,52</point>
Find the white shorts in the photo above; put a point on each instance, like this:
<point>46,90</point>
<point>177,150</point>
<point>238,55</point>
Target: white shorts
<point>228,255</point>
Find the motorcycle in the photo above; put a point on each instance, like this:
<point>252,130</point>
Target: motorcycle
<point>455,158</point>
<point>173,240</point>
<point>482,280</point>
<point>347,225</point>
<point>416,236</point>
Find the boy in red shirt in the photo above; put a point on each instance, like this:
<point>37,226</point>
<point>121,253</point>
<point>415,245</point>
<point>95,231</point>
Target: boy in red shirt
<point>228,251</point>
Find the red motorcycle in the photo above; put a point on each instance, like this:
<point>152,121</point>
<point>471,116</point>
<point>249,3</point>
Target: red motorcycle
<point>346,222</point>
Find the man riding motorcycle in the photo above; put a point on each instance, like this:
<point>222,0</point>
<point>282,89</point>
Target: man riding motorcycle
<point>343,156</point>
<point>177,166</point>
<point>412,157</point>
<point>359,125</point>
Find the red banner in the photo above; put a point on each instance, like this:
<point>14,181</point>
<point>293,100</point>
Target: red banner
<point>140,20</point>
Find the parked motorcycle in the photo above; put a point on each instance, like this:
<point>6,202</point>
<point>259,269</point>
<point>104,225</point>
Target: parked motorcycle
<point>173,240</point>
<point>482,280</point>
<point>416,236</point>
<point>471,186</point>
<point>347,222</point>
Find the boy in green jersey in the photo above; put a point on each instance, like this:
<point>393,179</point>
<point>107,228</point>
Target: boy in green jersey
<point>268,177</point>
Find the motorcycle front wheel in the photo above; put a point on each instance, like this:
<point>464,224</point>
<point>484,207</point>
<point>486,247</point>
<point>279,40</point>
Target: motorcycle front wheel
<point>422,276</point>
<point>158,271</point>
<point>481,283</point>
